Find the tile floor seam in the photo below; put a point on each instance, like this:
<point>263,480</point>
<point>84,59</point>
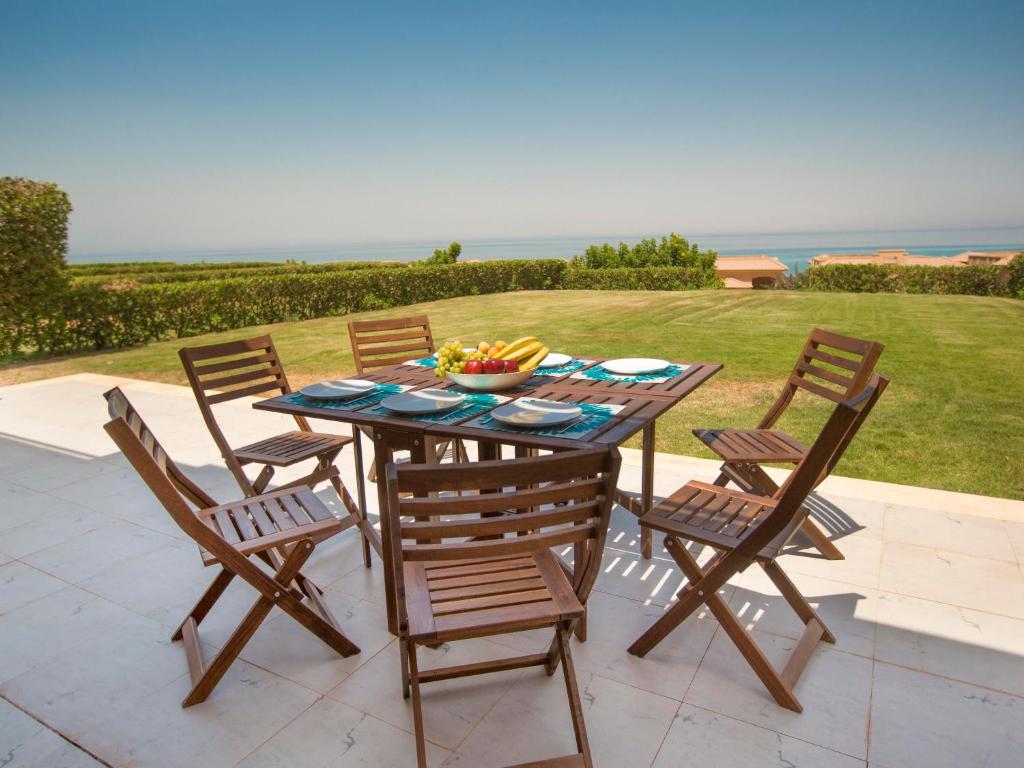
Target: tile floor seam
<point>957,680</point>
<point>275,733</point>
<point>519,676</point>
<point>56,732</point>
<point>661,744</point>
<point>871,700</point>
<point>960,606</point>
<point>772,730</point>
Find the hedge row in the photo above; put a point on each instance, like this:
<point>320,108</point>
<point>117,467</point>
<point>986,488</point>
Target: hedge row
<point>188,273</point>
<point>92,316</point>
<point>878,278</point>
<point>135,267</point>
<point>640,279</point>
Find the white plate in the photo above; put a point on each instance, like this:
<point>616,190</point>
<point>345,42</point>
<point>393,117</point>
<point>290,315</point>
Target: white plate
<point>528,412</point>
<point>635,366</point>
<point>338,390</point>
<point>423,401</point>
<point>555,359</point>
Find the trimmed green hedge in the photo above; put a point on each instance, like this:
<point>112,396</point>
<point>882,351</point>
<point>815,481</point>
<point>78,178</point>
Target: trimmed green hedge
<point>640,279</point>
<point>33,243</point>
<point>94,316</point>
<point>187,273</point>
<point>878,278</point>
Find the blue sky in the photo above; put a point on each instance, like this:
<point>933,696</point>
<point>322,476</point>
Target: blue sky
<point>215,124</point>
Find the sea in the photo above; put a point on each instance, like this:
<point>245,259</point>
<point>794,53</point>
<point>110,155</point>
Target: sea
<point>793,249</point>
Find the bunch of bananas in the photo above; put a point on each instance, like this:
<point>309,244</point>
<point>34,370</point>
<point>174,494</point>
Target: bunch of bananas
<point>527,351</point>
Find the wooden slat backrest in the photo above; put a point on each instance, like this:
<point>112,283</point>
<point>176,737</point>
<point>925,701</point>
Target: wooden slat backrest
<point>175,491</point>
<point>831,366</point>
<point>505,508</point>
<point>877,384</point>
<point>790,497</point>
<point>380,343</point>
<point>167,482</point>
<point>219,373</point>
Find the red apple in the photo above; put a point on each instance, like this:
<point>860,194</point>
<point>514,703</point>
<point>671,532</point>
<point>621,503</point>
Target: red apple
<point>473,366</point>
<point>492,365</point>
<point>511,366</point>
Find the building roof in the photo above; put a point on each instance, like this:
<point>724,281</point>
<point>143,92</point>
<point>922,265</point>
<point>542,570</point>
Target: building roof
<point>885,256</point>
<point>755,262</point>
<point>997,258</point>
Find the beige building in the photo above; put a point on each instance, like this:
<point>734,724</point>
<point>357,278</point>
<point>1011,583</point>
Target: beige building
<point>901,257</point>
<point>757,271</point>
<point>985,258</point>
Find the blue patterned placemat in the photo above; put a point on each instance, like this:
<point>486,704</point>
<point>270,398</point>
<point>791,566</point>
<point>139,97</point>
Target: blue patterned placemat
<point>374,396</point>
<point>474,404</point>
<point>423,362</point>
<point>597,373</point>
<point>560,370</point>
<point>593,417</point>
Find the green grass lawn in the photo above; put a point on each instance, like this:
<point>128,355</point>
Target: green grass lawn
<point>952,418</point>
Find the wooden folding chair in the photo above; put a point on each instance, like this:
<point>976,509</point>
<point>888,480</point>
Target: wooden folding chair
<point>744,528</point>
<point>830,366</point>
<point>219,373</point>
<point>481,564</point>
<point>280,528</point>
<point>382,343</point>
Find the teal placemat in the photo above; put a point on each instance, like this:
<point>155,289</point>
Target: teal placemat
<point>424,362</point>
<point>597,373</point>
<point>474,404</point>
<point>593,416</point>
<point>560,370</point>
<point>374,396</point>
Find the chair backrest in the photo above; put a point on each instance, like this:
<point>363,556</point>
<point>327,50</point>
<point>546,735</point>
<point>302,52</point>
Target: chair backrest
<point>380,343</point>
<point>877,383</point>
<point>175,491</point>
<point>167,482</point>
<point>219,373</point>
<point>824,453</point>
<point>510,507</point>
<point>831,366</point>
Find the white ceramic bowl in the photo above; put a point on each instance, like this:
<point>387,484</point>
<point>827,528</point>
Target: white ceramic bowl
<point>490,382</point>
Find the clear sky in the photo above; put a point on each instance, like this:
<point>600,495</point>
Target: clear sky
<point>215,124</point>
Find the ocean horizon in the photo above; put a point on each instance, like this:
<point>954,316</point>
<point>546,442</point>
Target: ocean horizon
<point>792,249</point>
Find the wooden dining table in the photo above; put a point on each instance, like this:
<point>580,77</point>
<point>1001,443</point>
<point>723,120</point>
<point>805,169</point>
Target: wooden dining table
<point>630,407</point>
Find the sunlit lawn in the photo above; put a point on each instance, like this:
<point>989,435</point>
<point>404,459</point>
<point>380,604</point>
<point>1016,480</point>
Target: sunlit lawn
<point>953,417</point>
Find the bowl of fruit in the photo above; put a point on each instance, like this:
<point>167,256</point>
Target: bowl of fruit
<point>490,367</point>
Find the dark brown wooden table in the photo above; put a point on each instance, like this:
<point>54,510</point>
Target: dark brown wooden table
<point>641,405</point>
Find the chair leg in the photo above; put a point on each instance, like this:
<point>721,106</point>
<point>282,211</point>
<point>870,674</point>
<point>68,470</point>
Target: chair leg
<point>208,676</point>
<point>820,540</point>
<point>575,706</point>
<point>780,685</point>
<point>796,601</point>
<point>417,707</point>
<point>403,653</point>
<point>207,601</point>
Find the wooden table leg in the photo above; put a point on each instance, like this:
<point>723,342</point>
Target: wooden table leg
<point>364,524</point>
<point>382,454</point>
<point>647,488</point>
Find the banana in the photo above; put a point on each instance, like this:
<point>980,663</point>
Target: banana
<point>534,361</point>
<point>525,353</point>
<point>511,349</point>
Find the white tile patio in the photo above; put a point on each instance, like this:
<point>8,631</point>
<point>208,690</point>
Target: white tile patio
<point>928,608</point>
